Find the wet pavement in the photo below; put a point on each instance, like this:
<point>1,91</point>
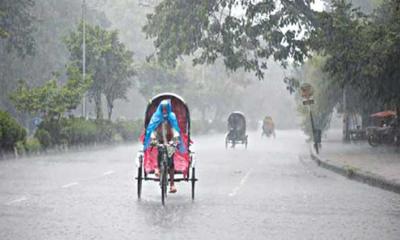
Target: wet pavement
<point>272,190</point>
<point>382,161</point>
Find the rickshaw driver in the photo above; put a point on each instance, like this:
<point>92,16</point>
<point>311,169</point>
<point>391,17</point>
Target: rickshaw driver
<point>164,118</point>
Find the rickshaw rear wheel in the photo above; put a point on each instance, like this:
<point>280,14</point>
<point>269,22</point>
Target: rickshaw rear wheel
<point>139,180</point>
<point>373,141</point>
<point>193,179</point>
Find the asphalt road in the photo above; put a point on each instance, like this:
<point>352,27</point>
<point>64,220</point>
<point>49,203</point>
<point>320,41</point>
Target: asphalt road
<point>272,190</point>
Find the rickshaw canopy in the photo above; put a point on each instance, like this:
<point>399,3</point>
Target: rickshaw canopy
<point>384,114</point>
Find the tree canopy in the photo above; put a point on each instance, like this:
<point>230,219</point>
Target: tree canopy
<point>51,100</point>
<point>244,33</point>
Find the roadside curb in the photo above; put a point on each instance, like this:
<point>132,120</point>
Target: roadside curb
<point>356,174</point>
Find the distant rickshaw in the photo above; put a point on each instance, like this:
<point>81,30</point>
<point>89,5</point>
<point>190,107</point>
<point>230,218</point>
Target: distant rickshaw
<point>268,127</point>
<point>385,129</point>
<point>236,130</point>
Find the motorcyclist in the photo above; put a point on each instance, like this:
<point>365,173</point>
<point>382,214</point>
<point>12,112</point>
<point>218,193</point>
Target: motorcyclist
<point>268,126</point>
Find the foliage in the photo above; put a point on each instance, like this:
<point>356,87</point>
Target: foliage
<point>78,131</point>
<point>362,52</point>
<point>107,59</point>
<point>44,138</point>
<point>327,94</point>
<point>49,21</point>
<point>153,79</point>
<point>16,26</point>
<point>32,146</point>
<point>10,132</point>
<point>51,100</point>
<point>360,57</point>
<point>129,130</point>
<point>244,33</point>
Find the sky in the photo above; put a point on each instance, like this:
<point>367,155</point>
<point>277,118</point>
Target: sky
<point>318,5</point>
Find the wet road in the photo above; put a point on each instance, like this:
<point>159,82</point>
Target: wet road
<point>272,190</point>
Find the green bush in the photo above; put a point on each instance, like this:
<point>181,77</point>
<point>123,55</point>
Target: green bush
<point>20,147</point>
<point>105,131</point>
<point>78,131</point>
<point>10,132</point>
<point>32,146</point>
<point>129,130</point>
<point>44,138</point>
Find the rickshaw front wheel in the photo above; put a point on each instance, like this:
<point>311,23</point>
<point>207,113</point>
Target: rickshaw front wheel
<point>163,183</point>
<point>193,179</point>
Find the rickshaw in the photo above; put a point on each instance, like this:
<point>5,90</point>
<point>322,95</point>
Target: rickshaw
<point>184,163</point>
<point>385,129</point>
<point>236,130</point>
<point>268,127</point>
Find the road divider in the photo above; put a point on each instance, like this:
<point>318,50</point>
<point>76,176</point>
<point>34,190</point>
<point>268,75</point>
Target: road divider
<point>70,185</point>
<point>108,173</point>
<point>18,200</point>
<point>242,182</point>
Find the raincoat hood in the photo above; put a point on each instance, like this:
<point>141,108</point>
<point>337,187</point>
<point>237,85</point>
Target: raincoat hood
<point>163,113</point>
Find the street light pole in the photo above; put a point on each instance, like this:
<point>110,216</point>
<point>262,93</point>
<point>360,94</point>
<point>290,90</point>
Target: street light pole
<point>84,54</point>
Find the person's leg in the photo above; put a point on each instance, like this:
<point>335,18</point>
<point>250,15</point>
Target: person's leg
<point>157,169</point>
<point>172,174</point>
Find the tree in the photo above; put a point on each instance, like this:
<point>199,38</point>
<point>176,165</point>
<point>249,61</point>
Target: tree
<point>107,59</point>
<point>153,79</point>
<point>48,21</point>
<point>360,63</point>
<point>362,51</point>
<point>244,33</point>
<point>51,101</point>
<point>119,72</point>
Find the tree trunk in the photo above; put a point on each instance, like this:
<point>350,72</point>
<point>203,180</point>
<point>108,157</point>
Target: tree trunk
<point>110,107</point>
<point>99,111</point>
<point>346,135</point>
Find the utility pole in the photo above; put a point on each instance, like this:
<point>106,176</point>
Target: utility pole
<point>84,54</point>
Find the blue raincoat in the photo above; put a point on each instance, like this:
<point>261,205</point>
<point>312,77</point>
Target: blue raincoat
<point>158,118</point>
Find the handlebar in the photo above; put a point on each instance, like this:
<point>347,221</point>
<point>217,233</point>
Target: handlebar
<point>170,143</point>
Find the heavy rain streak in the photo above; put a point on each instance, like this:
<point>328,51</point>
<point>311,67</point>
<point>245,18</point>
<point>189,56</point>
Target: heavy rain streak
<point>199,119</point>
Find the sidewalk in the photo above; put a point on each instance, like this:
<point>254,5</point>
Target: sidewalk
<point>377,166</point>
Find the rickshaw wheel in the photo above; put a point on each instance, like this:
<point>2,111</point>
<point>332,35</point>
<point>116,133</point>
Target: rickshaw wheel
<point>139,180</point>
<point>373,141</point>
<point>163,183</point>
<point>193,179</point>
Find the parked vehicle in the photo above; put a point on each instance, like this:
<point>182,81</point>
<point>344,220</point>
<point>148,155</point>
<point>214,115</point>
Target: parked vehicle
<point>385,131</point>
